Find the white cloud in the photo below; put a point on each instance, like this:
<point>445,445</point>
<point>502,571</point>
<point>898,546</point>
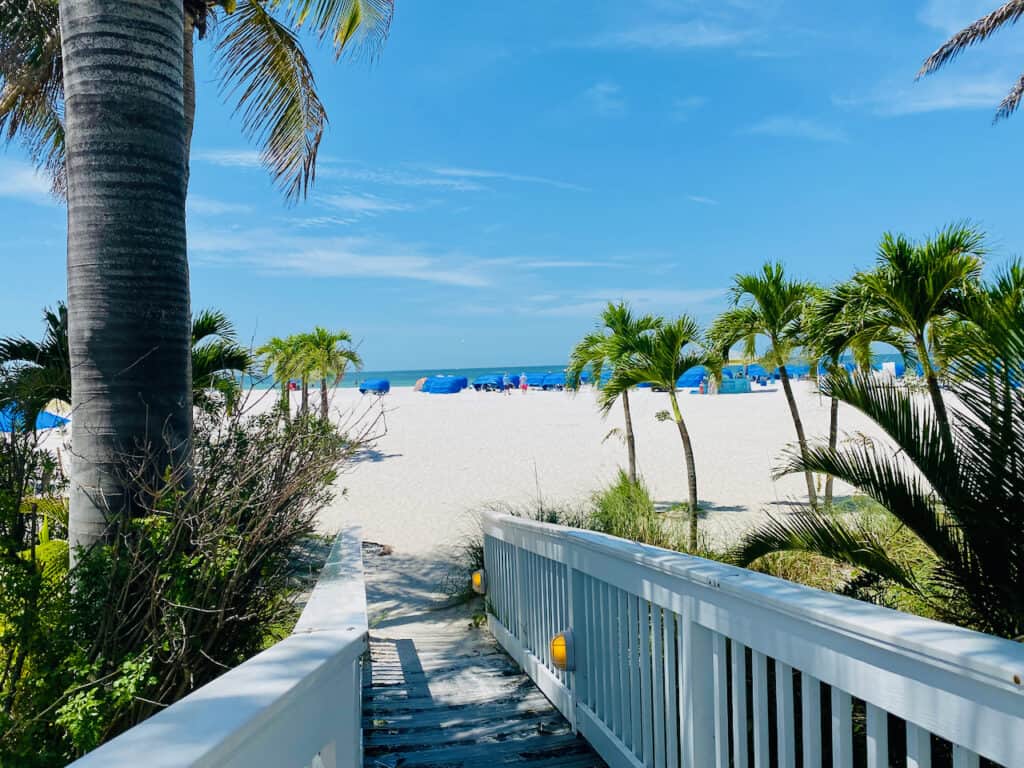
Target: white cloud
<point>605,99</point>
<point>933,94</point>
<point>363,205</point>
<point>389,177</point>
<point>702,200</point>
<point>229,158</point>
<point>199,205</point>
<point>674,36</point>
<point>590,303</point>
<point>796,128</point>
<point>477,173</point>
<point>360,257</point>
<point>22,182</point>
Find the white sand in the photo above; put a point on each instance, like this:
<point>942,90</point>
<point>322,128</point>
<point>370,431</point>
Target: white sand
<point>445,456</point>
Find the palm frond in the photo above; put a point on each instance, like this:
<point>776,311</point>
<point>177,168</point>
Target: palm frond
<point>356,26</point>
<point>982,29</point>
<point>265,69</point>
<point>210,323</point>
<point>821,534</point>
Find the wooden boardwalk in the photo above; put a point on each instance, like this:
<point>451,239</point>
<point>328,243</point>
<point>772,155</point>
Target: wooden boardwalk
<point>439,693</point>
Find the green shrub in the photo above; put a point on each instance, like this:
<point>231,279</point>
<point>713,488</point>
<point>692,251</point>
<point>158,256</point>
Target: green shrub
<point>625,509</point>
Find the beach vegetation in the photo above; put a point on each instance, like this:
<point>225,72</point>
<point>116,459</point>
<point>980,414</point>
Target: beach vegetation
<point>320,353</point>
<point>660,356</point>
<point>599,352</point>
<point>955,487</point>
<point>769,304</point>
<point>626,509</point>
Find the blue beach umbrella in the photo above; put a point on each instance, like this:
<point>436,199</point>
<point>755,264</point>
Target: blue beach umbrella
<point>10,419</point>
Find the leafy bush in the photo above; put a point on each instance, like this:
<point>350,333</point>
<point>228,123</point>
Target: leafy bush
<point>625,509</point>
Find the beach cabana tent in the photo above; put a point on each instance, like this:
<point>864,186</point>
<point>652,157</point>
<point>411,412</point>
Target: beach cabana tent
<point>10,419</point>
<point>445,385</point>
<point>375,386</point>
<point>489,382</point>
<point>692,377</point>
<point>535,380</point>
<point>554,381</point>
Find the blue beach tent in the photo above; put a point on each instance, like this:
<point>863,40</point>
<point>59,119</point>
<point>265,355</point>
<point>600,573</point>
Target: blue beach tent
<point>11,419</point>
<point>375,386</point>
<point>692,377</point>
<point>554,381</point>
<point>489,382</point>
<point>535,380</point>
<point>445,385</point>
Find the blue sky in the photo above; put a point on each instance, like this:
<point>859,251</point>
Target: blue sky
<point>505,168</point>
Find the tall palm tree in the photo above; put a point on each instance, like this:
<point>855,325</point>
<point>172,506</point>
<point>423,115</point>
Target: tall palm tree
<point>660,356</point>
<point>261,66</point>
<point>329,353</point>
<point>770,304</point>
<point>601,350</point>
<point>126,93</point>
<point>914,290</point>
<point>960,492</point>
<point>280,357</point>
<point>1007,13</point>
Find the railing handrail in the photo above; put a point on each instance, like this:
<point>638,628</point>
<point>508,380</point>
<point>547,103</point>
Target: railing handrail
<point>224,722</point>
<point>992,660</point>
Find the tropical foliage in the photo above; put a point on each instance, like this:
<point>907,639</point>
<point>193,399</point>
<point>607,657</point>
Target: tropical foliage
<point>261,66</point>
<point>320,354</point>
<point>1007,13</point>
<point>660,356</point>
<point>613,340</point>
<point>952,477</point>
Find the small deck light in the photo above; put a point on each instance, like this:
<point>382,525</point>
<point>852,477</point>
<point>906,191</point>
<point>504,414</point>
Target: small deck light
<point>479,581</point>
<point>562,654</point>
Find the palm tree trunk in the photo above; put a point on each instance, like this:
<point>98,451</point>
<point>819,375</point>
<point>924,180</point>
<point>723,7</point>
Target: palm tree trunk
<point>323,397</point>
<point>833,440</point>
<point>932,380</point>
<point>630,440</point>
<point>812,496</point>
<point>305,396</point>
<point>691,469</point>
<point>128,292</point>
<point>286,400</point>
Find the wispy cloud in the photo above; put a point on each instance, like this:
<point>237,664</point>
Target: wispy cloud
<point>200,205</point>
<point>702,200</point>
<point>400,178</point>
<point>605,99</point>
<point>450,172</point>
<point>590,303</point>
<point>673,36</point>
<point>271,252</point>
<point>933,94</point>
<point>951,16</point>
<point>22,182</point>
<point>229,158</point>
<point>796,128</point>
<point>363,205</point>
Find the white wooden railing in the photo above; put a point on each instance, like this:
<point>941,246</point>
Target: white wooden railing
<point>681,661</point>
<point>298,703</point>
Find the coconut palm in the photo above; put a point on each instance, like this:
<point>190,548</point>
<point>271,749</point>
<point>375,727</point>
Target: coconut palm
<point>1007,13</point>
<point>959,492</point>
<point>601,350</point>
<point>769,304</point>
<point>915,289</point>
<point>280,357</point>
<point>660,356</point>
<point>261,65</point>
<point>328,353</point>
<point>126,94</point>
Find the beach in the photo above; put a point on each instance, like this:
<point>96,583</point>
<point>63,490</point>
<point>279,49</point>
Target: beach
<point>446,457</point>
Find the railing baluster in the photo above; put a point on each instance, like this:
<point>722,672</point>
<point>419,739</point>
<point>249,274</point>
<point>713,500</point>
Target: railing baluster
<point>842,729</point>
<point>740,747</point>
<point>919,747</point>
<point>721,672</point>
<point>670,627</point>
<point>784,715</point>
<point>759,662</point>
<point>635,716</point>
<point>645,681</point>
<point>964,758</point>
<point>878,737</point>
<point>615,721</point>
<point>658,686</point>
<point>810,718</point>
<point>621,636</point>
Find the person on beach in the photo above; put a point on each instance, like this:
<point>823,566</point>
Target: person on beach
<point>506,384</point>
<point>523,384</point>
